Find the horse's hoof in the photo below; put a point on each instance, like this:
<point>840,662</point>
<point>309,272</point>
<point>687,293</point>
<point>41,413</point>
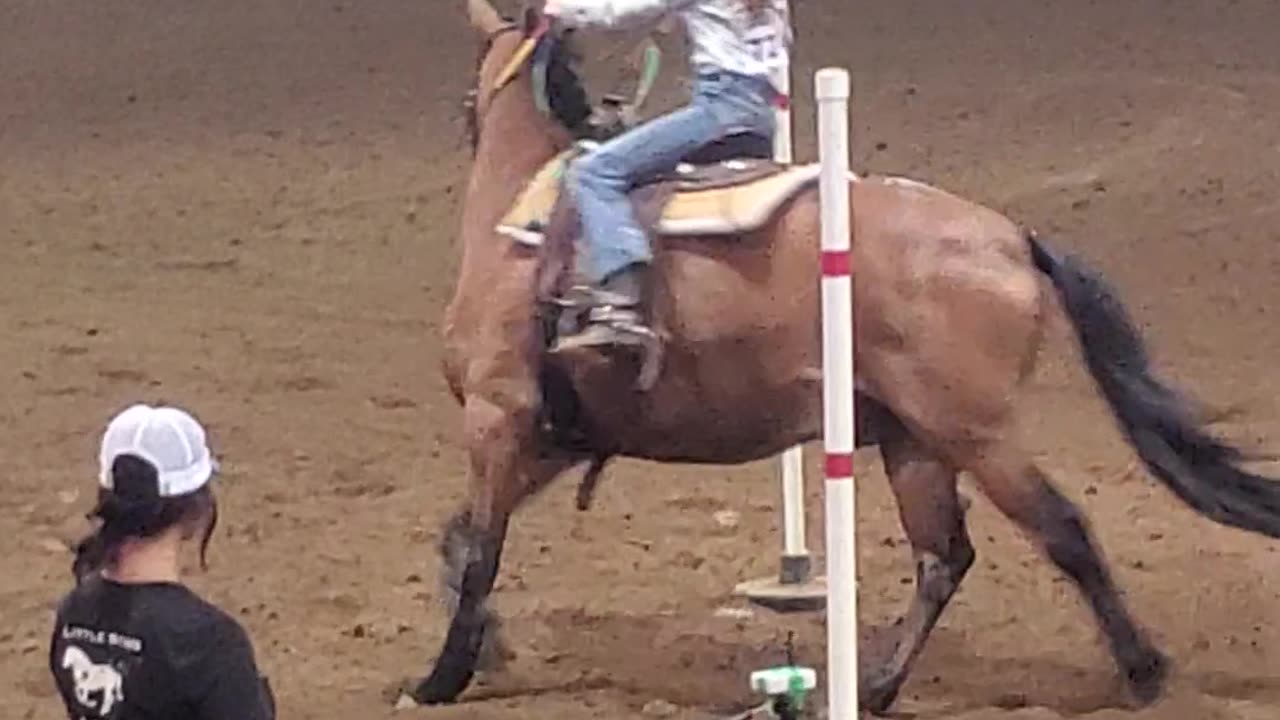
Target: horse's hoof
<point>879,693</point>
<point>428,695</point>
<point>399,692</point>
<point>442,687</point>
<point>1147,677</point>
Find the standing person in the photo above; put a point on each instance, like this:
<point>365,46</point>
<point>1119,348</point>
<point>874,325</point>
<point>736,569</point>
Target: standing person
<point>131,642</point>
<point>734,47</point>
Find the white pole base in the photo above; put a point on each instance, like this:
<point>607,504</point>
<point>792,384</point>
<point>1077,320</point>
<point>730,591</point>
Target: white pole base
<point>806,596</point>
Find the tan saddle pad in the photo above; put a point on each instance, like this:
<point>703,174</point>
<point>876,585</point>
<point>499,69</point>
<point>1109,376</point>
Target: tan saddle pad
<point>727,198</point>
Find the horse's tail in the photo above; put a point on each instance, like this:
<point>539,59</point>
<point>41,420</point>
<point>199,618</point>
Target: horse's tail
<point>1155,417</point>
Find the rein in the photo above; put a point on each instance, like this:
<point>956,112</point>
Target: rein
<point>508,72</point>
<point>521,54</point>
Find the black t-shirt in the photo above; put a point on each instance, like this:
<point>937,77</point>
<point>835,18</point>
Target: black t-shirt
<point>153,651</point>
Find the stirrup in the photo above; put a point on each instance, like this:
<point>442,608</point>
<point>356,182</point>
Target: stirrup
<point>586,297</point>
<point>609,325</point>
<point>621,316</point>
<point>613,326</point>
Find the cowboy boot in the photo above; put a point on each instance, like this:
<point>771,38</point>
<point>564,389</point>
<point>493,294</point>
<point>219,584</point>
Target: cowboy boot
<point>614,315</point>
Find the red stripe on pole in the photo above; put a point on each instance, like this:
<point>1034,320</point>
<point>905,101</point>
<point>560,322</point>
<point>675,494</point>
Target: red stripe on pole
<point>836,263</point>
<point>839,466</point>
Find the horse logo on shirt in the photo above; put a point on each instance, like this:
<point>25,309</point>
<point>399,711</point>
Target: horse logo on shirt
<point>90,678</point>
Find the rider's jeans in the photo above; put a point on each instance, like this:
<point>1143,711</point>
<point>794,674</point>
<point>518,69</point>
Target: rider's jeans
<point>723,104</point>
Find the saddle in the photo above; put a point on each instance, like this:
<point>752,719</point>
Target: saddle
<point>723,189</point>
<point>717,190</point>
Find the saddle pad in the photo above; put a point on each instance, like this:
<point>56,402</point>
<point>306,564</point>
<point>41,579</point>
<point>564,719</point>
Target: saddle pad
<point>723,209</point>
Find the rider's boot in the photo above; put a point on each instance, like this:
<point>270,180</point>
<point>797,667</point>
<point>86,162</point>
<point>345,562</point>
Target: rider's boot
<point>615,312</point>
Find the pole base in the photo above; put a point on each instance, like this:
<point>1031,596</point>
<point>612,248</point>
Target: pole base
<point>793,590</point>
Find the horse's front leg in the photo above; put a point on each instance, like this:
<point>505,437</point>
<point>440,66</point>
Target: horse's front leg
<point>504,471</point>
<point>457,546</point>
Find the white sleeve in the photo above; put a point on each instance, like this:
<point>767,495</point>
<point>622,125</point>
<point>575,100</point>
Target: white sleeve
<point>616,13</point>
<point>782,11</point>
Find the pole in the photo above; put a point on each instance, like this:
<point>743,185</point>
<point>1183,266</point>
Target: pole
<point>831,90</point>
<point>793,588</point>
<point>781,77</point>
<point>795,555</point>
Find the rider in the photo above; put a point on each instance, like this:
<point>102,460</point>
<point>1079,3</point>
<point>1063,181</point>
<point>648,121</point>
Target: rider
<point>734,47</point>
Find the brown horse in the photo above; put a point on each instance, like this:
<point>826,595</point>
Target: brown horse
<point>950,304</point>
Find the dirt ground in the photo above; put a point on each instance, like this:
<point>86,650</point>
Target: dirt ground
<point>249,208</point>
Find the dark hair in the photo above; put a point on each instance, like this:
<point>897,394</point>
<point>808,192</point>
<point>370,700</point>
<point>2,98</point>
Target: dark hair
<point>134,508</point>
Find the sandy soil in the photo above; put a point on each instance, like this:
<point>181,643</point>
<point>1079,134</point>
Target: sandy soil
<point>249,208</point>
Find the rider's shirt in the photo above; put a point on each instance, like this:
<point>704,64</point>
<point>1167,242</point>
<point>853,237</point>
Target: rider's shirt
<point>153,651</point>
<point>723,34</point>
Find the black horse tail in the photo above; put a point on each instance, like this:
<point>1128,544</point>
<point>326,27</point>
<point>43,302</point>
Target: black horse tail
<point>1156,418</point>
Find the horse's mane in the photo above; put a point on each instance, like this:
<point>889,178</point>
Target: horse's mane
<point>567,96</point>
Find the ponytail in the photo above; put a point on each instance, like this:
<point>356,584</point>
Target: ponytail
<point>91,554</point>
<point>133,508</point>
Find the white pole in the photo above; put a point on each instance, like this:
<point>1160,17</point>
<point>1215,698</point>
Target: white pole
<point>793,588</point>
<point>831,90</point>
<point>793,539</point>
<point>795,555</point>
<point>782,114</point>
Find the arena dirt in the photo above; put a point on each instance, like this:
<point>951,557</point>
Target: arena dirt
<point>249,208</point>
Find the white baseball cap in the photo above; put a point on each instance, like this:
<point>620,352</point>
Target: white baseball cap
<point>169,438</point>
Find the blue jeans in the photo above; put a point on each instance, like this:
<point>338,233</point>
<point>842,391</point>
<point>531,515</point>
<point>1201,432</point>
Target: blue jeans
<point>723,104</point>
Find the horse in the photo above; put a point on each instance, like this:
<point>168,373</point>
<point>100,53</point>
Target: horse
<point>951,303</point>
<point>89,678</point>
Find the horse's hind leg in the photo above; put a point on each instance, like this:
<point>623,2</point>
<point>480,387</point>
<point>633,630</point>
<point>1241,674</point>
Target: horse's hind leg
<point>1023,493</point>
<point>933,517</point>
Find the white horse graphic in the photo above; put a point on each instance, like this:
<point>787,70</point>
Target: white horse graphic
<point>92,678</point>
